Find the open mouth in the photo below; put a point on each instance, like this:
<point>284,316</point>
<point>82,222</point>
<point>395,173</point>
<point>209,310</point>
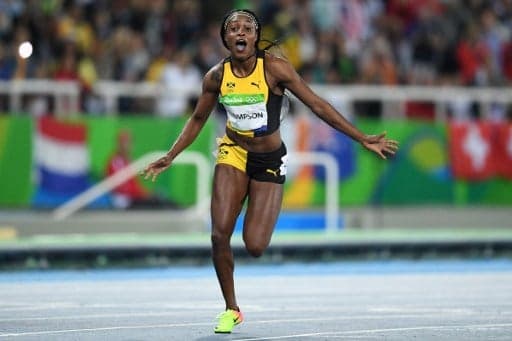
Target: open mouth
<point>240,45</point>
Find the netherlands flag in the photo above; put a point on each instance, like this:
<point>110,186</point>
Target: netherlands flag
<point>62,161</point>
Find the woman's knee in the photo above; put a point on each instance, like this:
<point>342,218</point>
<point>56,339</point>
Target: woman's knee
<point>256,239</point>
<point>255,248</point>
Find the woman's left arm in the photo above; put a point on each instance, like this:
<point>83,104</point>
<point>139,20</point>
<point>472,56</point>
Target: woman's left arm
<point>285,75</point>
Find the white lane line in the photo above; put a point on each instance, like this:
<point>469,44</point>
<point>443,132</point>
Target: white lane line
<point>93,316</point>
<point>174,325</point>
<point>39,306</point>
<point>191,306</point>
<point>156,314</point>
<point>385,330</point>
<point>65,331</point>
<point>77,305</point>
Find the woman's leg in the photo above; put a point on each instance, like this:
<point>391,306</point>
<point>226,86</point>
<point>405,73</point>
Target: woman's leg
<point>264,205</point>
<point>230,187</point>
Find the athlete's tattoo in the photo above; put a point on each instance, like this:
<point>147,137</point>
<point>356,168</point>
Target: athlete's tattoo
<point>217,76</point>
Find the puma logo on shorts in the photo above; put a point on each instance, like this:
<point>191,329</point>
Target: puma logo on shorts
<point>266,167</point>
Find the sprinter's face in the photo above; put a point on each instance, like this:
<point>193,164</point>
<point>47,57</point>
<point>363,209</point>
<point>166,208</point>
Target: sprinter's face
<point>241,36</point>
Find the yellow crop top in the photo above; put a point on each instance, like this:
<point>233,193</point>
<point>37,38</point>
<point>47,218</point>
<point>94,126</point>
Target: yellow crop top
<point>252,109</point>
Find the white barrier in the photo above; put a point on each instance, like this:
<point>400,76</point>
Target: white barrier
<point>200,209</point>
<point>65,94</point>
<point>110,91</point>
<point>187,157</point>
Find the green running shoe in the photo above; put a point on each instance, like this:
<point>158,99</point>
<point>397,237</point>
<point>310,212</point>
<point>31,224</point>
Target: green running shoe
<point>227,320</point>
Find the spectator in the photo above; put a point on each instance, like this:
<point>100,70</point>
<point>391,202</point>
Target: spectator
<point>473,57</point>
<point>453,42</point>
<point>67,68</point>
<point>493,38</point>
<point>178,75</point>
<point>130,194</point>
<point>7,62</point>
<point>507,61</point>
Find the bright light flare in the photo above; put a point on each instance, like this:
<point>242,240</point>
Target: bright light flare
<point>25,49</point>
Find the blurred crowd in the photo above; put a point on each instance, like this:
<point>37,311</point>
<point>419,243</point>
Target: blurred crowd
<point>424,42</point>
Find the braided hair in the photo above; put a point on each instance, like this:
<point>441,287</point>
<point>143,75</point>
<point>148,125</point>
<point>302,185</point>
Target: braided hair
<point>231,14</point>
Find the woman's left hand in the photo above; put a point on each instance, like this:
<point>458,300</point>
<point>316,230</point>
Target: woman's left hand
<point>380,145</point>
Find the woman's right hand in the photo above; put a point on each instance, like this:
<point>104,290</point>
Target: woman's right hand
<point>156,167</point>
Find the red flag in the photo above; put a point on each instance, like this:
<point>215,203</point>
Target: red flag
<point>504,150</point>
<point>472,151</point>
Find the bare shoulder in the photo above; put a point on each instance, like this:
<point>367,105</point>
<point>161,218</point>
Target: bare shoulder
<point>213,78</point>
<point>279,68</point>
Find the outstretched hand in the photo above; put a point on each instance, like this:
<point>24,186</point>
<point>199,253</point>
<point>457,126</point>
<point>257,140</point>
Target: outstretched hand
<point>380,145</point>
<point>156,167</point>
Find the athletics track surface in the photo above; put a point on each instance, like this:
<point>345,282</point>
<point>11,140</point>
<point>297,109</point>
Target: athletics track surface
<point>362,300</point>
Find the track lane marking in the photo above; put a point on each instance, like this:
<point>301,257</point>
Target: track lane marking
<point>174,325</point>
<point>384,330</point>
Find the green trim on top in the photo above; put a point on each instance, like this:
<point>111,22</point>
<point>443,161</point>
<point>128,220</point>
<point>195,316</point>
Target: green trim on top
<point>242,99</point>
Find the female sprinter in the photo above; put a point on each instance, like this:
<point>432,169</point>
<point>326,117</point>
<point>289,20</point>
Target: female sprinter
<point>251,161</point>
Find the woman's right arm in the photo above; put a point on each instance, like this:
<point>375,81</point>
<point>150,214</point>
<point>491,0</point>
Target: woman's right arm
<point>205,104</point>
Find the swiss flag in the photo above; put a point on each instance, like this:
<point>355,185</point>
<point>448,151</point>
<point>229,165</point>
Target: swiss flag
<point>504,150</point>
<point>471,150</point>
